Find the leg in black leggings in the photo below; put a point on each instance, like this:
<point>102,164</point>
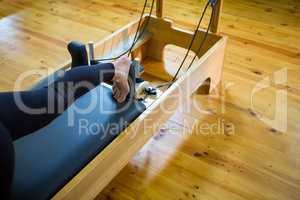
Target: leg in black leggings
<point>15,123</point>
<point>6,162</point>
<point>20,123</point>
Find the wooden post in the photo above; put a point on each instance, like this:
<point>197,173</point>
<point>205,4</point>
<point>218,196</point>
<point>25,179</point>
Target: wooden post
<point>215,28</point>
<point>159,8</point>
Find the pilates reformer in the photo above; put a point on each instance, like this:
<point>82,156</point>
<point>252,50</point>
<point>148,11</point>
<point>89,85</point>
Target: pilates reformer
<point>144,40</point>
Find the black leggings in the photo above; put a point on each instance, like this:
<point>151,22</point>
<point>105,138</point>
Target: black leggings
<point>15,122</point>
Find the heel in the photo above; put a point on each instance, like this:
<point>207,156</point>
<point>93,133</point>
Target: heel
<point>78,53</point>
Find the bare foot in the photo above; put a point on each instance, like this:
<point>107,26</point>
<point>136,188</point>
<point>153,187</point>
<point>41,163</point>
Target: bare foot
<point>120,79</point>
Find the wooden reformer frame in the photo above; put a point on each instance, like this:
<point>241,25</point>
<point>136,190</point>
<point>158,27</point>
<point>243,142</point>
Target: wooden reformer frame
<point>107,164</point>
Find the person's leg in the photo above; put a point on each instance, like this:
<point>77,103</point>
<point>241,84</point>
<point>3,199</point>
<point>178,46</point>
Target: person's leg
<point>78,53</point>
<point>116,72</point>
<point>6,163</point>
<point>24,112</point>
<point>94,75</point>
<point>27,111</point>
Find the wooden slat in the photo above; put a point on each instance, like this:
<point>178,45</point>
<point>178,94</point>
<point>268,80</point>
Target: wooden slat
<point>215,27</point>
<point>159,8</point>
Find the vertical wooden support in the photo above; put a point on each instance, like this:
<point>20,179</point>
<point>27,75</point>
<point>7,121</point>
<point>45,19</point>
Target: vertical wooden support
<point>159,8</point>
<point>215,28</point>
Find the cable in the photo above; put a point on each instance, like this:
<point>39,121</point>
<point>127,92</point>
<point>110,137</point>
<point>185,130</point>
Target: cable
<point>114,58</point>
<point>144,28</point>
<point>192,41</point>
<point>139,25</point>
<point>212,3</point>
<point>135,40</point>
<point>205,36</point>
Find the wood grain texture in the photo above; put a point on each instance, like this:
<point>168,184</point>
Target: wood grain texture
<point>257,162</point>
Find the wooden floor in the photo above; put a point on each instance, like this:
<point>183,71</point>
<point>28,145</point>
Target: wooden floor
<point>252,161</point>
